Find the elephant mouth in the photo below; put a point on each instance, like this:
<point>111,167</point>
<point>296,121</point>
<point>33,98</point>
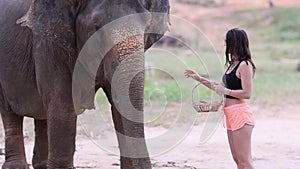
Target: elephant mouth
<point>86,102</point>
<point>84,107</point>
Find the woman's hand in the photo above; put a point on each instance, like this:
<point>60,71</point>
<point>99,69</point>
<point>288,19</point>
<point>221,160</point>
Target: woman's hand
<point>220,89</point>
<point>193,74</point>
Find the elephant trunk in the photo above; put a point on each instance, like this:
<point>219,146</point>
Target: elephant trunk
<point>127,95</point>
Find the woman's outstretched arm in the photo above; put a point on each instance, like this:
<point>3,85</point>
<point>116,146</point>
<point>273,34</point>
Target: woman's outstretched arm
<point>193,74</point>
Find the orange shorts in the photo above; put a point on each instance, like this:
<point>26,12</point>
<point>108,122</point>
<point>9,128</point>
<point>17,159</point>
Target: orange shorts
<point>238,115</point>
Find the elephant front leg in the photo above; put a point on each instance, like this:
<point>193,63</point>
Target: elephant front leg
<point>54,83</point>
<point>61,132</point>
<point>61,126</point>
<point>61,136</point>
<point>14,142</point>
<point>40,151</point>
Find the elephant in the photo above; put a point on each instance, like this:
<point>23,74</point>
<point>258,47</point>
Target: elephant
<point>40,43</point>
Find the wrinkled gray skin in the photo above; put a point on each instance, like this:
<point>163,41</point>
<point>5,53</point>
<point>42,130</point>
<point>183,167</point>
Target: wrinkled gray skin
<point>40,41</point>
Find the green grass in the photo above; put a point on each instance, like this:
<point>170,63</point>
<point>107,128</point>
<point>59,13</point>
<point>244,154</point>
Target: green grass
<point>285,25</point>
<point>274,79</point>
<point>276,25</point>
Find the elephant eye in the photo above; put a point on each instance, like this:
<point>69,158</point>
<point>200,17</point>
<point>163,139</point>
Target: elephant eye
<point>96,27</point>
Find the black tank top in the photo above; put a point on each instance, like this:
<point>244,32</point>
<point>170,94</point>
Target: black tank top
<point>231,81</point>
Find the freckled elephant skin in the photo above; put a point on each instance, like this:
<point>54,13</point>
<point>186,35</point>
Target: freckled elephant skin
<point>40,42</point>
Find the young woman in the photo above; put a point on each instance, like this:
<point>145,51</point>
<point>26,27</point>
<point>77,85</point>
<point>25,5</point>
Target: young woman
<point>237,89</point>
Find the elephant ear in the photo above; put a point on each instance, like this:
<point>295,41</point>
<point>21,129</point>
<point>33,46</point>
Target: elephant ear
<point>158,26</point>
<point>53,20</point>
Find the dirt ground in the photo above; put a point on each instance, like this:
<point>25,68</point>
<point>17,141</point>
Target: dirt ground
<point>276,145</point>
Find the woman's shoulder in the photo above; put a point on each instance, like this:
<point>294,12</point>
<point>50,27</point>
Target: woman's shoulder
<point>245,65</point>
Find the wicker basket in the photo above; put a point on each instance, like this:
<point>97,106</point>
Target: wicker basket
<point>204,105</point>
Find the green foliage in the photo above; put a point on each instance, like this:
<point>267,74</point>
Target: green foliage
<point>161,87</point>
<point>286,23</point>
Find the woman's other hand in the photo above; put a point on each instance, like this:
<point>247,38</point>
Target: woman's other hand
<point>219,88</point>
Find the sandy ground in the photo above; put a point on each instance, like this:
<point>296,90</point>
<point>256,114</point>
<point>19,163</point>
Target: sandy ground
<point>276,145</point>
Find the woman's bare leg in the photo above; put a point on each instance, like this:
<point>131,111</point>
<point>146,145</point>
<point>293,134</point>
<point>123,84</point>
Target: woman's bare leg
<point>231,145</point>
<point>242,144</point>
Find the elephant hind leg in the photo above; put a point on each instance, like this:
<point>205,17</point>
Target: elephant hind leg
<point>14,142</point>
<point>40,151</point>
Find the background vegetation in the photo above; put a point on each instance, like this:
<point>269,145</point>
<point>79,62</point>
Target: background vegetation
<point>275,39</point>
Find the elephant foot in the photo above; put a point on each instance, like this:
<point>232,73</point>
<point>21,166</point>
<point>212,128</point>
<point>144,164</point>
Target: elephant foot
<point>65,168</point>
<point>41,165</point>
<point>135,163</point>
<point>15,165</point>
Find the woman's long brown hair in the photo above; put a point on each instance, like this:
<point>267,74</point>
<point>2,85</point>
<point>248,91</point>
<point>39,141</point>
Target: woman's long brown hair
<point>237,45</point>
